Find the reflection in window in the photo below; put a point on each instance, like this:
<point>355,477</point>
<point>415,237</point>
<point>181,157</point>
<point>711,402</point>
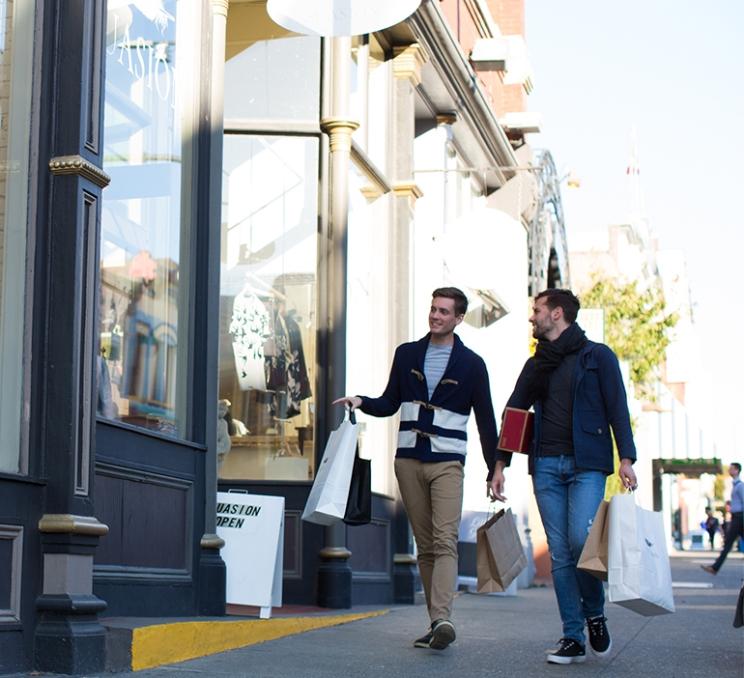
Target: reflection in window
<point>141,221</point>
<point>269,72</point>
<point>268,307</point>
<point>16,47</point>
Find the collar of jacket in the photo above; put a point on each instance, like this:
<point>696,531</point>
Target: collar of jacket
<point>587,360</point>
<point>423,343</point>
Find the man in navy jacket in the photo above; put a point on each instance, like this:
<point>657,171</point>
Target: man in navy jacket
<point>435,382</point>
<point>578,394</point>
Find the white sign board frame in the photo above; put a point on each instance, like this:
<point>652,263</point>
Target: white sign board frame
<point>252,526</point>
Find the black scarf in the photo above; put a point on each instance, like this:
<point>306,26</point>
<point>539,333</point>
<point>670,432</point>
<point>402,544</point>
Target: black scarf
<point>550,354</point>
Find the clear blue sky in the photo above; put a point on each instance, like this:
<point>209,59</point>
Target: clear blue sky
<point>675,70</point>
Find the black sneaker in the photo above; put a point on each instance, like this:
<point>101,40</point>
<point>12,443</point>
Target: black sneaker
<point>424,641</point>
<point>599,636</point>
<point>442,634</point>
<point>568,651</point>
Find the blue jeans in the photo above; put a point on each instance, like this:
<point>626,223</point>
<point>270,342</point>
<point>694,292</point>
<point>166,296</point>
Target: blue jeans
<point>568,500</point>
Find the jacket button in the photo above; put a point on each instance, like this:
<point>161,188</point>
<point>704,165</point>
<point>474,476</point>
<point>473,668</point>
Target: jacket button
<point>599,430</point>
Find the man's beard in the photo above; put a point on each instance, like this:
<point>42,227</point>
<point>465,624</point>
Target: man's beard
<point>538,332</point>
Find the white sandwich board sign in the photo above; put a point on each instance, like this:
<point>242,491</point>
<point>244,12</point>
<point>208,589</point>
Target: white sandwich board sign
<point>252,526</point>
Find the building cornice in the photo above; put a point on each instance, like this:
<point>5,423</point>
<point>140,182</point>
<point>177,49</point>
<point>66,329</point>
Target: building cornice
<point>477,122</point>
<point>407,63</point>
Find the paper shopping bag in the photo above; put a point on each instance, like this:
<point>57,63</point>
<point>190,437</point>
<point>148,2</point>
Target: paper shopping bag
<point>499,553</point>
<point>329,494</point>
<point>593,557</point>
<point>638,571</point>
<point>359,504</point>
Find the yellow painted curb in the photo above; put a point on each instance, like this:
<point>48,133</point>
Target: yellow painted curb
<point>170,643</point>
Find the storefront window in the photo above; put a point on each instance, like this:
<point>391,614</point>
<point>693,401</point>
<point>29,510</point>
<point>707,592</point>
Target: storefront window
<point>144,226</point>
<point>269,73</point>
<point>268,307</point>
<point>16,43</point>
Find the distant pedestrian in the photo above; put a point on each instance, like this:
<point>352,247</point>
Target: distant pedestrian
<point>726,518</point>
<point>577,389</point>
<point>435,382</point>
<point>711,525</point>
<point>735,528</point>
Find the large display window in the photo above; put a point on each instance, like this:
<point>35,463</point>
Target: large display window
<point>16,61</point>
<point>268,277</point>
<point>268,307</point>
<point>144,226</point>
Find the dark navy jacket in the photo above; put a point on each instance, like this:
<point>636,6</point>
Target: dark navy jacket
<point>599,403</point>
<point>436,430</point>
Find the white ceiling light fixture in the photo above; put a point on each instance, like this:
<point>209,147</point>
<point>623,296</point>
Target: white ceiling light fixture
<point>331,18</point>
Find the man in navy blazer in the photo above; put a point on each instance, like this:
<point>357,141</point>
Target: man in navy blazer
<point>577,391</point>
<point>434,383</point>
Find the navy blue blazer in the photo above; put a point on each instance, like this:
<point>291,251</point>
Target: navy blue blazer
<point>435,429</point>
<point>599,404</point>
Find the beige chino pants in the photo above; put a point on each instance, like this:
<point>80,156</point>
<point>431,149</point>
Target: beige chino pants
<point>432,496</point>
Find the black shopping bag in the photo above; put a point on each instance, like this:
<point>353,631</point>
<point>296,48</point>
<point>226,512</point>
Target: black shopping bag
<point>359,504</point>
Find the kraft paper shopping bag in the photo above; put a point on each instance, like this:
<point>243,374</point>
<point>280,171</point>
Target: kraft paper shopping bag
<point>499,553</point>
<point>638,571</point>
<point>593,557</point>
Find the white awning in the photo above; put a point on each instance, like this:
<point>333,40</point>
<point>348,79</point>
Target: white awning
<point>329,18</point>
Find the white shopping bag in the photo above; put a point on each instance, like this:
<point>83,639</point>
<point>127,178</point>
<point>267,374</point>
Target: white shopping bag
<point>330,491</point>
<point>638,572</point>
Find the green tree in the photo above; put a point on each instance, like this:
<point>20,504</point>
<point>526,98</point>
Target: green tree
<point>637,327</point>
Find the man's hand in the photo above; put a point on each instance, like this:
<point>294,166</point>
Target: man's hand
<point>495,489</point>
<point>351,402</point>
<point>627,474</point>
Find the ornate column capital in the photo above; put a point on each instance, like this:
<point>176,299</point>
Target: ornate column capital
<point>220,7</point>
<point>76,164</point>
<point>407,189</point>
<point>340,131</point>
<point>407,63</point>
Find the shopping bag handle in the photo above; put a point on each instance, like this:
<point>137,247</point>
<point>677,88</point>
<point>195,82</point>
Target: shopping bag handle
<point>349,414</point>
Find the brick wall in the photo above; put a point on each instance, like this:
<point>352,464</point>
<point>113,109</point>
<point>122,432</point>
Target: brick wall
<point>467,25</point>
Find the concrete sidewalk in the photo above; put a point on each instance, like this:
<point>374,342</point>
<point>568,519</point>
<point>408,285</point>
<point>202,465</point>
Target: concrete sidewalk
<point>507,636</point>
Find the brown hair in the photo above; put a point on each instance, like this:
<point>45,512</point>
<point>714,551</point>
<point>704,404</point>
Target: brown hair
<point>461,301</point>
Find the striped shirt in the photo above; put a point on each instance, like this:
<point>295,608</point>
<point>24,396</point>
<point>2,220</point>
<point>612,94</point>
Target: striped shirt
<point>435,363</point>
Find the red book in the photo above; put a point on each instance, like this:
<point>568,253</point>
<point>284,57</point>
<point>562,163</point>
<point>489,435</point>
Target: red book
<point>516,430</point>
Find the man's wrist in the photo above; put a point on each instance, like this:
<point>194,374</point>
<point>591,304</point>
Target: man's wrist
<point>499,466</point>
<point>626,462</point>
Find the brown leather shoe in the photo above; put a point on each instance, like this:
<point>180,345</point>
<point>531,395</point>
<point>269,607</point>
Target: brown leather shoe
<point>709,569</point>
